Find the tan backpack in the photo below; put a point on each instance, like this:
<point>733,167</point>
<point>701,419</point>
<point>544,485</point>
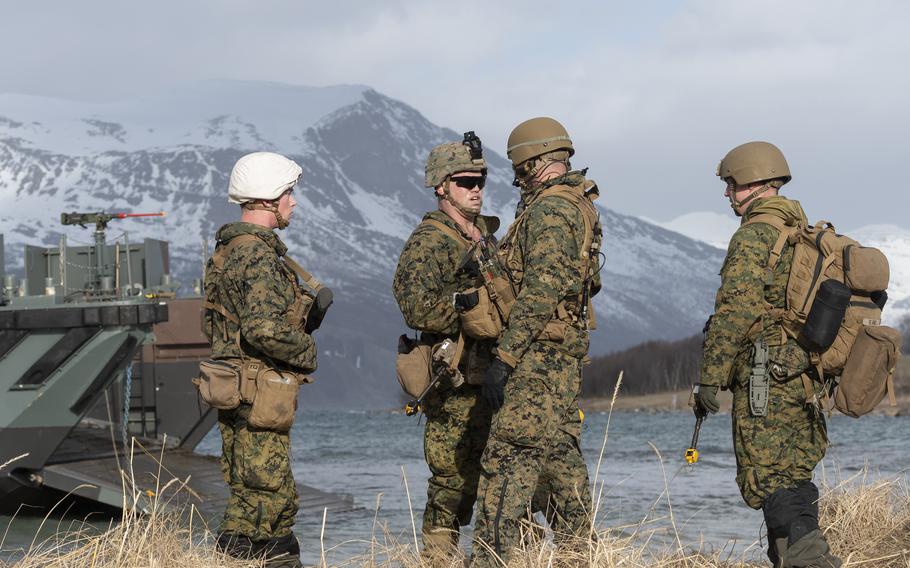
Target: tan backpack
<point>863,353</point>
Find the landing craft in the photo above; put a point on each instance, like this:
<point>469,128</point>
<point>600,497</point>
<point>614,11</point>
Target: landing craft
<point>96,356</point>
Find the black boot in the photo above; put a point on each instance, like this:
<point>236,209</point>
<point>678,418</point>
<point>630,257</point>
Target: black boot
<point>794,538</point>
<point>281,552</point>
<point>236,545</point>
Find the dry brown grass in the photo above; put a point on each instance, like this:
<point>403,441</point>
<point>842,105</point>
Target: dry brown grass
<point>866,520</point>
<point>153,532</point>
<point>867,523</point>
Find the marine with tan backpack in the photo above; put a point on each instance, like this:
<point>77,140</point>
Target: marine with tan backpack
<point>437,283</point>
<point>261,309</point>
<point>798,313</point>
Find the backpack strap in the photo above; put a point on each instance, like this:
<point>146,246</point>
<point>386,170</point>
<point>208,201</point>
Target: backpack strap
<point>218,259</point>
<point>305,276</point>
<point>786,233</point>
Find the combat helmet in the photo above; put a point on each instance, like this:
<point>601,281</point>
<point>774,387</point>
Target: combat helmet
<point>262,175</point>
<point>453,157</point>
<point>752,162</point>
<point>259,179</point>
<point>536,137</point>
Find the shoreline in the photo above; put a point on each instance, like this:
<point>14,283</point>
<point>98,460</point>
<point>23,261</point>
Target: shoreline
<point>678,401</point>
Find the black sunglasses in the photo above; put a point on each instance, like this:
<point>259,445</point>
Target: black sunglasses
<point>470,182</point>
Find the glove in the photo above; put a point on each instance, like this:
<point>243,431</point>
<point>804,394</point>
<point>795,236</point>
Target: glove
<point>465,301</point>
<point>494,383</point>
<point>706,400</point>
<point>321,305</point>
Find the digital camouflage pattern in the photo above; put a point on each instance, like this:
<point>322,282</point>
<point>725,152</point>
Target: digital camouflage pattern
<point>535,440</point>
<point>781,449</point>
<point>430,270</point>
<point>256,465</point>
<point>535,436</point>
<point>546,268</point>
<point>448,159</point>
<point>256,286</point>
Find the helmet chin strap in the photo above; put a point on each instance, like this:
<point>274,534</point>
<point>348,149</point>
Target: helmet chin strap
<point>528,183</point>
<point>736,205</point>
<point>468,214</point>
<point>272,207</point>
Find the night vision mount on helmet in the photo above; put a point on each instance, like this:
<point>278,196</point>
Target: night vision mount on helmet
<point>450,158</point>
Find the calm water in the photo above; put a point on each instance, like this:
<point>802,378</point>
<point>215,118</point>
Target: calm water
<point>369,454</point>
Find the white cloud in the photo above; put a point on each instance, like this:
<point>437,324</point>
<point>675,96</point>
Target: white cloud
<point>654,93</point>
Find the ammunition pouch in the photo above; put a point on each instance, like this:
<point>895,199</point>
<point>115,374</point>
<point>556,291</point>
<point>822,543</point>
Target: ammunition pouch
<point>275,402</point>
<point>481,321</point>
<point>219,383</point>
<point>419,364</point>
<point>555,331</point>
<point>413,365</point>
<point>225,383</point>
<point>487,318</point>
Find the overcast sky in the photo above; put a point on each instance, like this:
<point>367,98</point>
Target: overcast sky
<point>653,92</point>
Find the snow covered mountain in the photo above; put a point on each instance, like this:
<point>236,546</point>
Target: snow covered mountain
<point>706,226</point>
<point>361,195</point>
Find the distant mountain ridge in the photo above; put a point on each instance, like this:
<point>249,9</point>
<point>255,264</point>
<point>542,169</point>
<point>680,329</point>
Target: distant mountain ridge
<point>361,195</point>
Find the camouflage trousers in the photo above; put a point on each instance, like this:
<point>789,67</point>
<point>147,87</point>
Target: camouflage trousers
<point>457,427</point>
<point>779,450</point>
<point>256,465</point>
<point>534,439</point>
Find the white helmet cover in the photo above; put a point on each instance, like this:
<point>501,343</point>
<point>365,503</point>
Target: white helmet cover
<point>262,175</point>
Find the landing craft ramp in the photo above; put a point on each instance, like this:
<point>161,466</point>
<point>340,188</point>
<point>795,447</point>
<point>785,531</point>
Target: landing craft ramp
<point>99,479</point>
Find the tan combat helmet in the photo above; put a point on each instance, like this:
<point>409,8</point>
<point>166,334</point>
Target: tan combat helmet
<point>536,137</point>
<point>453,157</point>
<point>752,162</point>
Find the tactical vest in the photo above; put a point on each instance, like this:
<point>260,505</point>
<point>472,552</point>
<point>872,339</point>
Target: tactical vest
<point>834,312</point>
<point>472,375</point>
<point>577,311</point>
<point>296,313</point>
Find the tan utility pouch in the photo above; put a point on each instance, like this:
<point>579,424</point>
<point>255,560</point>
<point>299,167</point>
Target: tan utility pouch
<point>219,383</point>
<point>865,269</point>
<point>482,321</point>
<point>275,403</point>
<point>869,372</point>
<point>554,331</point>
<point>414,365</point>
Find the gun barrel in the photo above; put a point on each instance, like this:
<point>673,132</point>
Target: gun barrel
<point>125,215</point>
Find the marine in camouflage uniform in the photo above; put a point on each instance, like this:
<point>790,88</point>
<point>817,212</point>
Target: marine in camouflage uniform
<point>776,453</point>
<point>536,377</point>
<point>256,288</point>
<point>431,269</point>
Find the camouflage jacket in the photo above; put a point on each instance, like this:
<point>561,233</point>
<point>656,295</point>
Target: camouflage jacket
<point>430,270</point>
<point>542,257</point>
<point>746,292</point>
<point>258,288</point>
